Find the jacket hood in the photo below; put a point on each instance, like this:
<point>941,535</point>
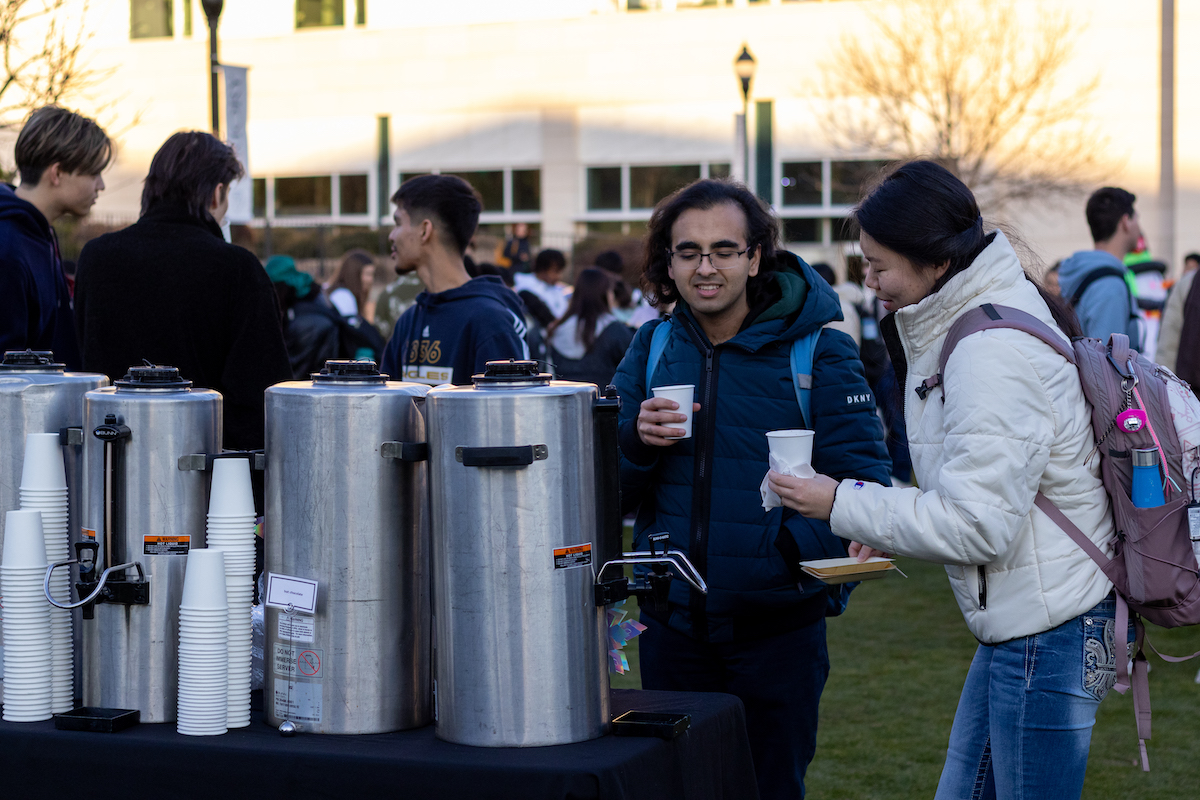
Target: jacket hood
<point>23,213</point>
<point>483,286</point>
<point>1072,271</point>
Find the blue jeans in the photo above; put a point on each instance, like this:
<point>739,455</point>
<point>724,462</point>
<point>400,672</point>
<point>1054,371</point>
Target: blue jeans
<point>1024,721</point>
<point>779,679</point>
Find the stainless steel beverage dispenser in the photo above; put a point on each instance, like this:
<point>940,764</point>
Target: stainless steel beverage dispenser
<point>521,527</point>
<point>38,395</point>
<point>346,504</point>
<point>145,501</point>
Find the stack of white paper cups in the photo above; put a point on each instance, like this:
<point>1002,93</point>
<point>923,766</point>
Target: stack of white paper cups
<point>203,654</point>
<point>27,654</point>
<point>44,489</point>
<point>231,524</point>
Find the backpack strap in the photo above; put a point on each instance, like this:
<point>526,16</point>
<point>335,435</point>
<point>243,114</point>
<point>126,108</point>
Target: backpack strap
<point>658,343</point>
<point>987,317</point>
<point>1092,277</point>
<point>802,355</point>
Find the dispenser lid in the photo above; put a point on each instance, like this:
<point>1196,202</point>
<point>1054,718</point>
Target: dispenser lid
<point>31,361</point>
<point>153,377</point>
<point>361,371</point>
<point>512,373</point>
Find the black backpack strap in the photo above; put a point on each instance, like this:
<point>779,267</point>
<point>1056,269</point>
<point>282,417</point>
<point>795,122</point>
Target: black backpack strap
<point>1092,277</point>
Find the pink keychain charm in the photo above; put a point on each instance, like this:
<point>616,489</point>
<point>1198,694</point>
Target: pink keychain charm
<point>1132,419</point>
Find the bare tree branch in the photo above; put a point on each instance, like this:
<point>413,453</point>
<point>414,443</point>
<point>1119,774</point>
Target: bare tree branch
<point>40,49</point>
<point>972,85</point>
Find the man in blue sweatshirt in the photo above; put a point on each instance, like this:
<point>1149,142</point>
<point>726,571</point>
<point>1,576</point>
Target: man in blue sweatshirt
<point>457,324</point>
<point>59,155</point>
<point>1094,280</point>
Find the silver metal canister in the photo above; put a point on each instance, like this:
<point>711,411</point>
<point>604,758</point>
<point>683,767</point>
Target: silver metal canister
<point>346,506</point>
<point>38,395</point>
<point>148,508</point>
<point>520,643</point>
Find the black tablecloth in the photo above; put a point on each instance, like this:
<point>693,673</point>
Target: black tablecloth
<point>710,760</point>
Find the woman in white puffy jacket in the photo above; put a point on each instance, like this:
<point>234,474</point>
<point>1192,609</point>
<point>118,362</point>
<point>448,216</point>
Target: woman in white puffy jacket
<point>1008,421</point>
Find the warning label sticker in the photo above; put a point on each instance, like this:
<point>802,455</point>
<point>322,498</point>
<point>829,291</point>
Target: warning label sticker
<point>298,629</point>
<point>89,534</point>
<point>299,701</point>
<point>166,545</point>
<point>573,557</point>
<point>297,661</point>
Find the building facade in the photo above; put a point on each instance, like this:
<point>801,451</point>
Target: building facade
<point>578,115</point>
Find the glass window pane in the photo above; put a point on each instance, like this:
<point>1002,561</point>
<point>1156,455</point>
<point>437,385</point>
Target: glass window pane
<point>490,186</point>
<point>801,183</point>
<point>319,13</point>
<point>187,17</point>
<point>259,186</point>
<point>843,230</point>
<point>353,189</point>
<point>847,179</point>
<point>802,230</point>
<point>527,190</point>
<point>648,185</point>
<point>303,196</point>
<point>604,188</point>
<point>150,19</point>
<point>360,12</point>
<point>720,171</point>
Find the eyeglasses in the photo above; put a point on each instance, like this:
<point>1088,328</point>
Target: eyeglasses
<point>719,259</point>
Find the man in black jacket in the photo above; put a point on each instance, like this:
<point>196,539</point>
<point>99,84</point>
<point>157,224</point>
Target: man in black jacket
<point>60,155</point>
<point>170,290</point>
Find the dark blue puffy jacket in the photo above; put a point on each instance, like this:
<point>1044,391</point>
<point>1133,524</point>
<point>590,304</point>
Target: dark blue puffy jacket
<point>747,555</point>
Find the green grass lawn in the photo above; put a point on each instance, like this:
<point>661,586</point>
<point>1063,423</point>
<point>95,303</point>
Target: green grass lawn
<point>899,656</point>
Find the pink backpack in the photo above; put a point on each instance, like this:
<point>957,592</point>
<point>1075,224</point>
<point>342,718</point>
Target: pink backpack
<point>1135,404</point>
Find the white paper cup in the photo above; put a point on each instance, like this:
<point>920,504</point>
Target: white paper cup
<point>204,580</point>
<point>231,492</point>
<point>684,395</point>
<point>24,545</point>
<point>794,447</point>
<point>43,467</point>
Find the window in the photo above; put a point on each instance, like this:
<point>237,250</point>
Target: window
<point>526,190</point>
<point>802,230</point>
<point>295,197</point>
<point>360,12</point>
<point>648,185</point>
<point>801,184</point>
<point>352,190</point>
<point>847,178</point>
<point>720,171</point>
<point>151,19</point>
<point>604,188</point>
<point>260,197</point>
<point>187,17</point>
<point>320,13</point>
<point>843,230</point>
<point>490,186</point>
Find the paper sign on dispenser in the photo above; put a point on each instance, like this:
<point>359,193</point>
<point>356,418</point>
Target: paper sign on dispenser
<point>292,594</point>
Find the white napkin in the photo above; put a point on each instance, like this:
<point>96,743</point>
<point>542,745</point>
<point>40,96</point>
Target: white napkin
<point>769,498</point>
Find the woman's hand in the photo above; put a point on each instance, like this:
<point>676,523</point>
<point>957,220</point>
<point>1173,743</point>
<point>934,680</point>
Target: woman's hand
<point>654,418</point>
<point>812,497</point>
<point>862,552</point>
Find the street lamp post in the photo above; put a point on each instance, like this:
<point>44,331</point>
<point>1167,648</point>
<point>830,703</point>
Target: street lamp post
<point>743,66</point>
<point>212,10</point>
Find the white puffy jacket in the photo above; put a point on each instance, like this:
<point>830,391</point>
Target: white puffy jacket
<point>1013,421</point>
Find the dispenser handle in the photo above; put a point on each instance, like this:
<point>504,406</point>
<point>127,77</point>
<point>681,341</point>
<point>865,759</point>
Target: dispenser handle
<point>405,451</point>
<point>91,598</point>
<point>501,456</point>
